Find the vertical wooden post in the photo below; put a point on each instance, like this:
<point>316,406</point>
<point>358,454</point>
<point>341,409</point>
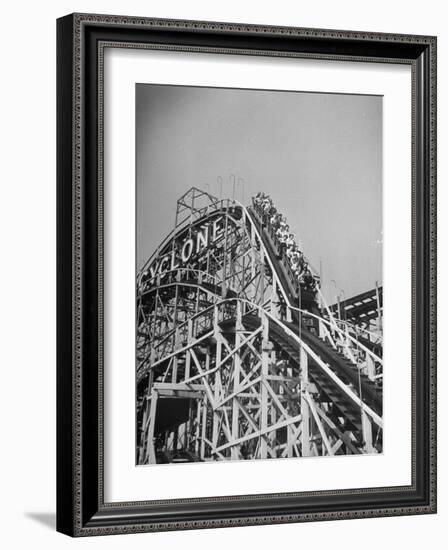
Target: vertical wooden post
<point>367,432</point>
<point>370,367</point>
<point>203,427</point>
<point>261,268</point>
<point>321,329</point>
<point>253,261</point>
<point>176,336</point>
<point>204,409</point>
<point>288,315</point>
<point>264,378</point>
<point>224,263</point>
<point>274,300</point>
<point>150,450</point>
<point>198,426</point>
<point>378,307</point>
<point>236,379</point>
<point>141,443</point>
<point>278,390</point>
<point>304,406</point>
<point>174,372</point>
<point>218,337</point>
<point>188,354</point>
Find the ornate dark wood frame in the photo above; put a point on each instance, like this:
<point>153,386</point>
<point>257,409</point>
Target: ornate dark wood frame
<point>81,39</point>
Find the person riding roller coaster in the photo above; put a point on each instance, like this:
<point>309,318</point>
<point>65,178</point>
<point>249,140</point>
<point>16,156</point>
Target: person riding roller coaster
<point>290,242</point>
<point>307,278</point>
<point>288,248</point>
<point>275,220</point>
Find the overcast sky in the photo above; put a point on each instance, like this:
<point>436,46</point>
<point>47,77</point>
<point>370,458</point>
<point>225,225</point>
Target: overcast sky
<point>318,155</point>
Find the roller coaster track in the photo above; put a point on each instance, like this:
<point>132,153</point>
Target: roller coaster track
<point>345,369</point>
<point>236,360</point>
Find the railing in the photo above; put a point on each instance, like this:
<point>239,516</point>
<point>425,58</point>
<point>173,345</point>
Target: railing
<point>341,331</point>
<point>194,327</point>
<point>339,339</point>
<point>338,333</point>
<point>177,275</point>
<point>218,315</point>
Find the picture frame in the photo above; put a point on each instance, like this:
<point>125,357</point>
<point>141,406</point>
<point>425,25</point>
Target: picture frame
<point>81,506</point>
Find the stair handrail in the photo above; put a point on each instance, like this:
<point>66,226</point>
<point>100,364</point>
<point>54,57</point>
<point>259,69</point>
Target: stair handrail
<point>349,393</point>
<point>372,414</point>
<point>285,295</point>
<point>352,338</point>
<point>151,280</point>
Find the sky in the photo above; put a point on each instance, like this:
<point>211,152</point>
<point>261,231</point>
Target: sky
<point>318,155</point>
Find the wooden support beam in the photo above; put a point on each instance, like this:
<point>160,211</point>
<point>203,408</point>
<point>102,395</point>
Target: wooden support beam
<point>318,421</point>
<point>264,391</point>
<point>203,428</point>
<point>343,436</point>
<point>260,433</point>
<point>236,379</point>
<point>304,407</point>
<point>188,354</point>
<point>367,433</point>
<point>217,334</point>
<point>150,449</point>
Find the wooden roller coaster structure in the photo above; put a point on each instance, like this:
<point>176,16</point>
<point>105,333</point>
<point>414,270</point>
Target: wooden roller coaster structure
<point>236,359</point>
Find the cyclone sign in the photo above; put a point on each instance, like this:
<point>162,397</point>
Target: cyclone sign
<point>183,251</point>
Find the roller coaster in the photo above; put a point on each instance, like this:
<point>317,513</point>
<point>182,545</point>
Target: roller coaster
<point>237,359</point>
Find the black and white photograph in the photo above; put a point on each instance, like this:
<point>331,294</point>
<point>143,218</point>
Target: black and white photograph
<point>259,282</point>
<point>221,264</point>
